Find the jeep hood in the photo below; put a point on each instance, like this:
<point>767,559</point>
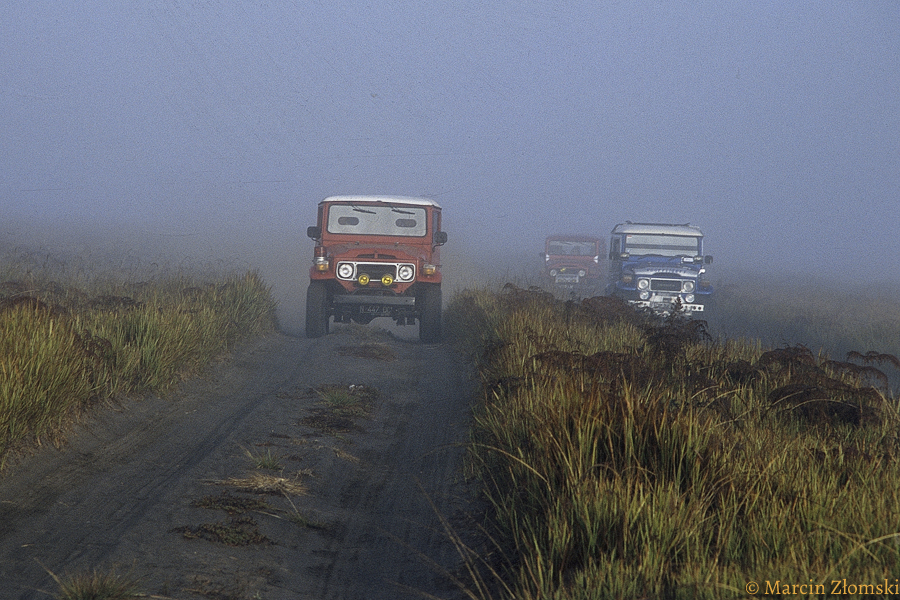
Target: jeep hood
<point>380,251</point>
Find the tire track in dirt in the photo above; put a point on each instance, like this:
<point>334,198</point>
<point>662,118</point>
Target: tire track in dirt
<point>129,478</point>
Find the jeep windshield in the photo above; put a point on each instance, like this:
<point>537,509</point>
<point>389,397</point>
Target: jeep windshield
<point>661,245</point>
<point>568,248</point>
<point>371,219</point>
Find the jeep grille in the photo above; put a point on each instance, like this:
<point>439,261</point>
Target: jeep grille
<point>665,285</point>
<point>375,270</point>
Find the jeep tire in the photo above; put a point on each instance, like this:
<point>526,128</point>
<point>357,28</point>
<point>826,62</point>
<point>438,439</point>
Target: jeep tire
<point>429,299</point>
<point>317,309</point>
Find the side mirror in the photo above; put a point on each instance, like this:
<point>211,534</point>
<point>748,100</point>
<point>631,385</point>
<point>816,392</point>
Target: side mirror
<point>314,232</point>
<point>440,238</point>
<point>707,259</point>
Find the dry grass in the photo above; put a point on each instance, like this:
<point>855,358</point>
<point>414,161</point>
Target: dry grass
<point>262,483</point>
<point>627,458</point>
<point>346,456</point>
<point>97,585</point>
<point>63,346</point>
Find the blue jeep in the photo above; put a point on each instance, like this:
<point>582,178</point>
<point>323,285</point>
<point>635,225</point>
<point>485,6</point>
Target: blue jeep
<point>658,266</point>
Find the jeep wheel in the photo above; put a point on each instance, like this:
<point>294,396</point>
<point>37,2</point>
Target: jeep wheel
<point>430,312</point>
<point>317,309</point>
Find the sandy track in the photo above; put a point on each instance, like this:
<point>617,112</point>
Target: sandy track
<point>125,488</point>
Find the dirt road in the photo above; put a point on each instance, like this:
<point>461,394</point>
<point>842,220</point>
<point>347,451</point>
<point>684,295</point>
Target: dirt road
<point>173,490</point>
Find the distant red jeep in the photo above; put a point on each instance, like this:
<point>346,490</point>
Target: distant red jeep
<point>376,256</point>
<point>572,262</point>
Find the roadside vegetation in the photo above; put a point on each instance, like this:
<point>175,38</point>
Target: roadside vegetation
<point>623,457</point>
<point>832,316</point>
<point>67,343</point>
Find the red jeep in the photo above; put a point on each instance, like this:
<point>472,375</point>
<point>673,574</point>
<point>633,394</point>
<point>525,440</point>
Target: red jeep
<point>376,256</point>
<point>572,262</point>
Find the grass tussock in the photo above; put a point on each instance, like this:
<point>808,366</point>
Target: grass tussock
<point>628,458</point>
<point>63,347</point>
<point>265,459</point>
<point>97,585</point>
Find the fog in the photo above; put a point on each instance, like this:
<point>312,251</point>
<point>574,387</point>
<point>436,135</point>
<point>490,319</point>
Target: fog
<point>212,129</point>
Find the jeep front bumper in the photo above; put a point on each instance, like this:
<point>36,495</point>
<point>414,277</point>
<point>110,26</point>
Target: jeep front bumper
<point>360,299</point>
<point>665,306</point>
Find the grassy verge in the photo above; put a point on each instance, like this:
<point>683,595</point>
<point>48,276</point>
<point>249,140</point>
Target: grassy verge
<point>821,314</point>
<point>65,346</point>
<point>629,459</point>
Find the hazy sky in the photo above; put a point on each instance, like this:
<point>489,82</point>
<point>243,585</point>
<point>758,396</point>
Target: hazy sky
<point>775,126</point>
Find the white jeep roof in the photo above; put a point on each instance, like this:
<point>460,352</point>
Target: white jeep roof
<point>657,229</point>
<point>383,200</point>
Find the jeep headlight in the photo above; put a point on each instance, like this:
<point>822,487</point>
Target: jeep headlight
<point>405,273</point>
<point>552,272</point>
<point>581,273</point>
<point>345,271</point>
<point>643,284</point>
<point>687,286</point>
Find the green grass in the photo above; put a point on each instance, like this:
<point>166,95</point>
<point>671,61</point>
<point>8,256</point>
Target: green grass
<point>628,459</point>
<point>265,460</point>
<point>65,346</point>
<point>347,401</point>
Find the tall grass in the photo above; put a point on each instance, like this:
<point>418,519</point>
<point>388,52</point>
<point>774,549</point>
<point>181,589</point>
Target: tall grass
<point>821,314</point>
<point>65,346</point>
<point>624,458</point>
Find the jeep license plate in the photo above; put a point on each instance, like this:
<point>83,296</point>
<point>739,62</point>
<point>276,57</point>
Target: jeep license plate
<point>567,279</point>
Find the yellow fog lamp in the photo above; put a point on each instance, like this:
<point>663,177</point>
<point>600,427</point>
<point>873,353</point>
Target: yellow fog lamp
<point>429,269</point>
<point>363,279</point>
<point>387,280</point>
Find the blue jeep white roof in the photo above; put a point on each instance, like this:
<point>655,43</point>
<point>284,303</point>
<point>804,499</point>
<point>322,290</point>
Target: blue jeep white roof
<point>383,200</point>
<point>657,229</point>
